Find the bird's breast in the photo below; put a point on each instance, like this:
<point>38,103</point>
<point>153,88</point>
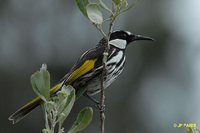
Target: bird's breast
<point>114,66</point>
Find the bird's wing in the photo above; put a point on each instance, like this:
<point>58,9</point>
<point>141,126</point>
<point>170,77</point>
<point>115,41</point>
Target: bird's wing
<point>88,61</point>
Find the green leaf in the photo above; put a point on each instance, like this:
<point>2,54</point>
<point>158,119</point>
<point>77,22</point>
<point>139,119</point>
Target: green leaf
<point>49,106</point>
<point>82,121</point>
<point>82,6</point>
<point>103,5</point>
<point>45,131</point>
<point>94,13</point>
<point>62,95</point>
<point>40,81</point>
<point>124,4</point>
<point>121,3</point>
<point>117,2</point>
<point>67,103</point>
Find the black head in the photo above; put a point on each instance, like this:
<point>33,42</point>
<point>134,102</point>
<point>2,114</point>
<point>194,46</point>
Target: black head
<point>121,38</point>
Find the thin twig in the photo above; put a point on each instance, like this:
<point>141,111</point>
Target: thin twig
<point>46,117</point>
<point>104,71</point>
<point>102,101</point>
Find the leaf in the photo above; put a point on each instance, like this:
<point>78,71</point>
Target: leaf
<point>82,6</point>
<point>49,106</point>
<point>82,121</point>
<point>124,3</point>
<point>103,5</point>
<point>67,104</point>
<point>62,95</point>
<point>117,2</point>
<point>45,131</point>
<point>94,13</point>
<point>121,3</point>
<point>40,81</point>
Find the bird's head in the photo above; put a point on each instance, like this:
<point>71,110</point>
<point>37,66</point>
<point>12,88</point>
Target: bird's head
<point>121,39</point>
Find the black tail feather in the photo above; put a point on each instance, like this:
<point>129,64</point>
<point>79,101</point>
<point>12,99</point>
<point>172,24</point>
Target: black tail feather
<point>25,110</point>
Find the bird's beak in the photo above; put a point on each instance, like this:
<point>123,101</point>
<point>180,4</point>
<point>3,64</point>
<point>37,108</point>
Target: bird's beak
<point>139,37</point>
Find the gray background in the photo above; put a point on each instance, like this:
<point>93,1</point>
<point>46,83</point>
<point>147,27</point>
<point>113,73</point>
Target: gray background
<point>161,80</point>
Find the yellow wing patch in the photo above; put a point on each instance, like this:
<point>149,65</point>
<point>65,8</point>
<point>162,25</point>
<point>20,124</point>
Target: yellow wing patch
<point>83,69</point>
<point>55,87</point>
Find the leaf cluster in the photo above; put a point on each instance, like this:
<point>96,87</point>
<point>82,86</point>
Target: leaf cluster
<point>93,11</point>
<point>57,108</point>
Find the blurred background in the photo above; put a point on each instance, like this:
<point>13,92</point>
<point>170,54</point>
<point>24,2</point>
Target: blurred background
<point>159,86</point>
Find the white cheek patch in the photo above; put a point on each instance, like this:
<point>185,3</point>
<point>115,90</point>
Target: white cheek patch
<point>119,43</point>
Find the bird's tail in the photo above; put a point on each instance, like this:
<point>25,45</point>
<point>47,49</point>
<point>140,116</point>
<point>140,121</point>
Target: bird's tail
<point>27,108</point>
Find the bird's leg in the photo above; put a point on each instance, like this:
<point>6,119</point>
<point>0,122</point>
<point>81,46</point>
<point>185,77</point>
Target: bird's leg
<point>97,103</point>
<point>91,98</point>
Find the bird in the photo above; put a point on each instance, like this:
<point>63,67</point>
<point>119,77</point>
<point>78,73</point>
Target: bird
<point>86,73</point>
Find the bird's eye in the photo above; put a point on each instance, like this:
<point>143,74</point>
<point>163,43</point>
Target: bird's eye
<point>123,36</point>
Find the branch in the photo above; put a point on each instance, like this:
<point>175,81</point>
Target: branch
<point>104,72</point>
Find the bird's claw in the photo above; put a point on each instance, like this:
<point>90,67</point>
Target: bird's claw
<point>100,107</point>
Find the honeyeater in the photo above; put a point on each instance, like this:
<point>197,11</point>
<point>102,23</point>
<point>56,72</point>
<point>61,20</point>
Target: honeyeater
<point>87,71</point>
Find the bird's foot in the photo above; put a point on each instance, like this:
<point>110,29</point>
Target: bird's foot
<point>100,107</point>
